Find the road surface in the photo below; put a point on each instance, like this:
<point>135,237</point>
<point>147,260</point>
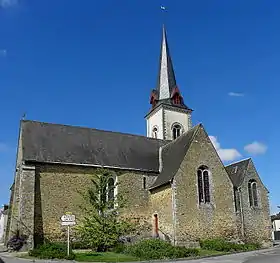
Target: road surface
<point>262,256</point>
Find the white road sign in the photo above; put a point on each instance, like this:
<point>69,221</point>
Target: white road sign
<point>68,218</point>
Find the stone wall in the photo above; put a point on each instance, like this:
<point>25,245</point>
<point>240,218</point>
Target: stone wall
<point>196,221</point>
<point>13,214</point>
<point>161,204</point>
<point>57,192</point>
<point>257,223</point>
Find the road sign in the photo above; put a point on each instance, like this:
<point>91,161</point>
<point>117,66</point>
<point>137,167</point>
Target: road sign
<point>68,218</point>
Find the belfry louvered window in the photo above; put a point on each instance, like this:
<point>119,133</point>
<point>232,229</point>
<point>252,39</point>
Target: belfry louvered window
<point>203,184</point>
<point>253,193</point>
<point>176,131</point>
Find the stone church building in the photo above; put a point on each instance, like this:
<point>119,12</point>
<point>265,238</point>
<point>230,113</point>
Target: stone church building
<point>176,185</point>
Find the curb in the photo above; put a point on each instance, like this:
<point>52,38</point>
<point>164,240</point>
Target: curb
<point>254,252</point>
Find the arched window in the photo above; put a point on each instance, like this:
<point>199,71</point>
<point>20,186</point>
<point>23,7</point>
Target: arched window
<point>253,193</point>
<point>203,184</point>
<point>155,132</point>
<point>176,131</point>
<point>111,192</point>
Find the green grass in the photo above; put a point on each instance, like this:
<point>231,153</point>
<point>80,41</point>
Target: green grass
<point>104,257</point>
<point>115,257</point>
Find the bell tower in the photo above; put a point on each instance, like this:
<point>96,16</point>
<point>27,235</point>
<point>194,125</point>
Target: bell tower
<point>168,117</point>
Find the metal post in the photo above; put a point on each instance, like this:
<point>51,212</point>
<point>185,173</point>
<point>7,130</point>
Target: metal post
<point>68,240</point>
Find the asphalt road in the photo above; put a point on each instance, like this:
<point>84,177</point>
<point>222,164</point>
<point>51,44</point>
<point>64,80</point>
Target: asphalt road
<point>263,256</point>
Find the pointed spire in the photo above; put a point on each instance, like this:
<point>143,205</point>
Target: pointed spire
<point>166,77</point>
<point>166,92</point>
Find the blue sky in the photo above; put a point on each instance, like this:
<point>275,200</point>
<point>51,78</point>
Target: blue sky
<point>94,63</point>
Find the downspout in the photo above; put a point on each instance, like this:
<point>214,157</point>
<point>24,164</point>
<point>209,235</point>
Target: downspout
<point>241,212</point>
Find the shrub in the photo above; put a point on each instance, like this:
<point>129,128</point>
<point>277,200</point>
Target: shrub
<point>51,251</point>
<point>119,248</point>
<point>80,245</point>
<point>222,245</point>
<point>158,249</point>
<point>16,242</point>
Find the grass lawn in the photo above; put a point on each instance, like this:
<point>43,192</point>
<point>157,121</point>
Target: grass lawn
<point>88,256</point>
<point>103,257</point>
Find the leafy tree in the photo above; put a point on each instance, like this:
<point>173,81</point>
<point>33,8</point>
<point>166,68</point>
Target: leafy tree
<point>102,226</point>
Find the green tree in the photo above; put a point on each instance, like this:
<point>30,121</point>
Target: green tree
<point>102,226</point>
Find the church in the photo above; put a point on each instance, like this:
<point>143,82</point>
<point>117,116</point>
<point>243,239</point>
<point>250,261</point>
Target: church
<point>176,185</point>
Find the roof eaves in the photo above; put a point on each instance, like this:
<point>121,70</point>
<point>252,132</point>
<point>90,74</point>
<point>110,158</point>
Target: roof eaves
<point>95,166</point>
<point>153,187</point>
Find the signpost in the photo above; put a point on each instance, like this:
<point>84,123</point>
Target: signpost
<point>68,220</point>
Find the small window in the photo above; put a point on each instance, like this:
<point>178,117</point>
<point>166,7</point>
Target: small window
<point>144,182</point>
<point>203,184</point>
<point>253,193</point>
<point>155,133</point>
<point>176,131</point>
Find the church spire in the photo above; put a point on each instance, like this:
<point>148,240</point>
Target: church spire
<point>169,117</point>
<point>167,91</point>
<point>166,76</point>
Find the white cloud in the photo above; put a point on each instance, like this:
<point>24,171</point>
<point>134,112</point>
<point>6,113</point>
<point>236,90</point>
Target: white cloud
<point>3,52</point>
<point>236,94</point>
<point>255,148</point>
<point>225,154</point>
<point>8,3</point>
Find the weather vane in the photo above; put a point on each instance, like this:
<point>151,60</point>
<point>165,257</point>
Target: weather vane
<point>163,9</point>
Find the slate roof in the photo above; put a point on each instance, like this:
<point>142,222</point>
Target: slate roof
<point>169,74</point>
<point>166,82</point>
<point>237,171</point>
<point>56,143</point>
<point>172,156</point>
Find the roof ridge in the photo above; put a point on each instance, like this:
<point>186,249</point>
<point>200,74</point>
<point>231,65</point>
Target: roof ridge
<point>240,161</point>
<point>100,130</point>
